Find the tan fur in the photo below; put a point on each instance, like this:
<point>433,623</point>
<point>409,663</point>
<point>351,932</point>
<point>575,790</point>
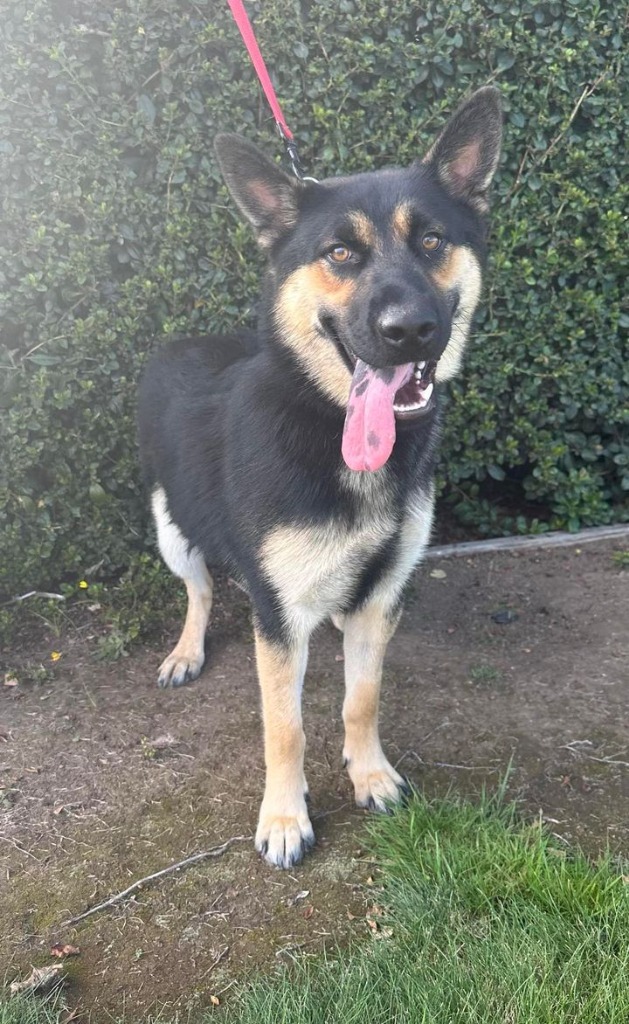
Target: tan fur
<point>283,821</point>
<point>278,672</point>
<point>365,229</point>
<point>315,569</point>
<point>300,298</point>
<point>461,270</point>
<point>366,635</point>
<point>402,222</point>
<point>189,654</point>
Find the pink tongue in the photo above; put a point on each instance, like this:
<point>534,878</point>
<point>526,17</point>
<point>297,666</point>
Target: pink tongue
<point>369,433</point>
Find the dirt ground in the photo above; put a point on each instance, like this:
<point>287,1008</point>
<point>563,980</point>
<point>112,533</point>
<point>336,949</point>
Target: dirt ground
<point>105,779</point>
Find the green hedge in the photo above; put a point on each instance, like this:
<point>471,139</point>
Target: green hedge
<point>116,233</point>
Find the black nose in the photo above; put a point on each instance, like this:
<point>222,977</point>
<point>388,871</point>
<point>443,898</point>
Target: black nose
<point>399,326</point>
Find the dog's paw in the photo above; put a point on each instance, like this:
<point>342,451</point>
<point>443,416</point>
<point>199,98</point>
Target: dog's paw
<point>283,839</point>
<point>377,786</point>
<point>179,668</point>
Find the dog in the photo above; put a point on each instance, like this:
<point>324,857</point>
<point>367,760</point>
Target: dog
<point>300,457</point>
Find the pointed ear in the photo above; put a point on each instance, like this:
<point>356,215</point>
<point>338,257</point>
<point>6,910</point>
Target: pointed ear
<point>465,155</point>
<point>264,193</point>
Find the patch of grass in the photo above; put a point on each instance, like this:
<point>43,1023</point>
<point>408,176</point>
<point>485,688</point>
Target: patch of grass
<point>485,920</point>
<point>621,559</point>
<point>29,1010</point>
<point>484,675</point>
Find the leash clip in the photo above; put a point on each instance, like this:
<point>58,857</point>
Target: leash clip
<point>293,155</point>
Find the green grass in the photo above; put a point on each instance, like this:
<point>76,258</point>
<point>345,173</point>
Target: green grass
<point>486,921</point>
<point>22,1010</point>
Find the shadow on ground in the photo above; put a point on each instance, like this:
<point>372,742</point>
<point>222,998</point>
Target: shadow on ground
<point>106,779</point>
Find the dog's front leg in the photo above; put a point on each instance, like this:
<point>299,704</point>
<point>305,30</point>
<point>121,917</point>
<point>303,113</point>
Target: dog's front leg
<point>284,831</point>
<point>366,635</point>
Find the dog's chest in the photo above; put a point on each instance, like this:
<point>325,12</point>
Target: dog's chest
<point>317,568</point>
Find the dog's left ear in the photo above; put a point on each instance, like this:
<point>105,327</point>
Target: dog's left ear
<point>465,155</point>
<point>264,193</point>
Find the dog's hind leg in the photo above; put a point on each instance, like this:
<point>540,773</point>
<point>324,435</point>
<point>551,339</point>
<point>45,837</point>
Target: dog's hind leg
<point>186,660</point>
<point>284,831</point>
<point>366,635</point>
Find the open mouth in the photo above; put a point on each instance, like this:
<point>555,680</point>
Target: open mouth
<point>413,399</point>
<point>379,397</point>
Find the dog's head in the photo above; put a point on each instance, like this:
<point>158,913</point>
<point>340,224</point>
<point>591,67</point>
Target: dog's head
<point>375,277</point>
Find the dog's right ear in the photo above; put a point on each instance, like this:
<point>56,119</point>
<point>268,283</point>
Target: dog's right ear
<point>264,193</point>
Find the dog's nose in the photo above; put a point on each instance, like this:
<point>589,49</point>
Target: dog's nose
<point>399,326</point>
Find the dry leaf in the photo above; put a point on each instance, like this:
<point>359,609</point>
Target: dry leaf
<point>350,916</point>
<point>369,881</point>
<point>438,574</point>
<point>10,680</point>
<point>292,900</point>
<point>308,912</point>
<point>39,979</point>
<point>215,1001</point>
<point>372,924</point>
<point>64,949</point>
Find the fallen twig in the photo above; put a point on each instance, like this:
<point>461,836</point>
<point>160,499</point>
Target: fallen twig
<point>445,764</point>
<point>34,593</point>
<point>611,759</point>
<point>215,962</point>
<point>217,851</point>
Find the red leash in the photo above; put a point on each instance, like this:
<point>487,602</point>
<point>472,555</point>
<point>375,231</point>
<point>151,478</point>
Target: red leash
<point>240,17</point>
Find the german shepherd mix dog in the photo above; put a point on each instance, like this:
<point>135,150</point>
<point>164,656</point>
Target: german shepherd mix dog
<point>301,458</point>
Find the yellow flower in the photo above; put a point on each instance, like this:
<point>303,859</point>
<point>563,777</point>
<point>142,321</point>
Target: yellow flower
<point>55,655</point>
<point>83,584</point>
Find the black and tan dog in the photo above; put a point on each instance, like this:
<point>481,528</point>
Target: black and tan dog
<point>301,458</point>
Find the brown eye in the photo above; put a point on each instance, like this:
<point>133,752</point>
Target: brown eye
<point>431,241</point>
<point>339,254</point>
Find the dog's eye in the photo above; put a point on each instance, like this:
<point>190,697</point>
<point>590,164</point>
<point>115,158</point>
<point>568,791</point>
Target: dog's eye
<point>339,254</point>
<point>431,241</point>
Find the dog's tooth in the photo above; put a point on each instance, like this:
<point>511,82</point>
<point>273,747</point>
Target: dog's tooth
<point>427,392</point>
<point>421,366</point>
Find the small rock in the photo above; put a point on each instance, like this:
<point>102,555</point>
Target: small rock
<point>504,616</point>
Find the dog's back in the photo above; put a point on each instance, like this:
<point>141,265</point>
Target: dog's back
<point>182,418</point>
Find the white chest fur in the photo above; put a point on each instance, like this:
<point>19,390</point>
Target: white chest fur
<point>316,569</point>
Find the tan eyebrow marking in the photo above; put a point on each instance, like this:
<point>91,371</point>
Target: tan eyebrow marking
<point>402,221</point>
<point>365,229</point>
